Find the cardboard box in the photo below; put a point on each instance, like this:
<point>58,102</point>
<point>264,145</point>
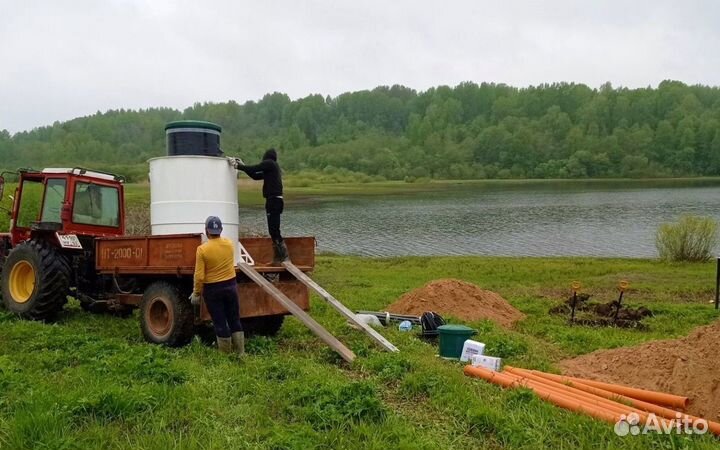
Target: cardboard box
<point>471,348</point>
<point>488,362</point>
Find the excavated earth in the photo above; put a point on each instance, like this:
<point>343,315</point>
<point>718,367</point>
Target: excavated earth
<point>460,299</point>
<point>687,366</point>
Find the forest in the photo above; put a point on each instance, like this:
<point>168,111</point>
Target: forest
<point>470,131</point>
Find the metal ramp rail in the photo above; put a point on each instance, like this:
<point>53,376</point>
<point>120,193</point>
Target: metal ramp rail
<point>295,310</point>
<point>342,309</point>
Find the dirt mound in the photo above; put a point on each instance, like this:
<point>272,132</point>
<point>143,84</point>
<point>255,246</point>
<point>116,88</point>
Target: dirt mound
<point>688,366</point>
<point>459,299</point>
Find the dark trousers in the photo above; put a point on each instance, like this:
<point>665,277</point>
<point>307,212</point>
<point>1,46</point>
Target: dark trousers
<point>273,208</point>
<point>221,300</point>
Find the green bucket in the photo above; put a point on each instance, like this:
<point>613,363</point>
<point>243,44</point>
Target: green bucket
<point>452,339</point>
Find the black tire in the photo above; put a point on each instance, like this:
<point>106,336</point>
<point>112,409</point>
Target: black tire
<point>263,326</point>
<point>4,250</point>
<point>44,296</point>
<point>166,316</point>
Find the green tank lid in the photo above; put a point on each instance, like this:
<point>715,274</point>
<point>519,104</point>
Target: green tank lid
<point>193,124</point>
<point>455,329</point>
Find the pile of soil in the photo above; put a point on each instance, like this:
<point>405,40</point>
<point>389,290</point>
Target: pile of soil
<point>688,366</point>
<point>458,299</point>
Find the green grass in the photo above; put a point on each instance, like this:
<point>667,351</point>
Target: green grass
<point>90,381</point>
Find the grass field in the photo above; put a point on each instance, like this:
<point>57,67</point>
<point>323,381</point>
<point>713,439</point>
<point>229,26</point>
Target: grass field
<point>92,382</point>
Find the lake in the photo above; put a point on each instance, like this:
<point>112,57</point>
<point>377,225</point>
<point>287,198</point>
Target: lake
<point>567,218</point>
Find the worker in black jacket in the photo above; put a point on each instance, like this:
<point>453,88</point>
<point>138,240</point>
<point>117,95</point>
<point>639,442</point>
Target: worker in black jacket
<point>268,170</point>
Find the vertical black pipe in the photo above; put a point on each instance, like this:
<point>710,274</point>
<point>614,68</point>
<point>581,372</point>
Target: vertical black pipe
<point>574,303</point>
<point>717,285</point>
<point>619,305</point>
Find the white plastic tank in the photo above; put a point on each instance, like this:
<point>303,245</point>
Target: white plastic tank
<point>185,190</point>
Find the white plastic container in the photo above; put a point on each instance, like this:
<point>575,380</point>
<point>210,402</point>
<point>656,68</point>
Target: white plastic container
<point>470,349</point>
<point>488,362</point>
<point>185,190</point>
<point>369,319</point>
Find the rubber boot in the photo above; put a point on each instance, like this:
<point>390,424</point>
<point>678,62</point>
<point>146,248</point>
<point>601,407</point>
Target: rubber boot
<point>276,254</point>
<point>284,255</point>
<point>280,253</point>
<point>224,344</point>
<point>238,340</point>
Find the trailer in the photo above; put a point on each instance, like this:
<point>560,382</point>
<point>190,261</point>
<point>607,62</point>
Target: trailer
<point>165,266</point>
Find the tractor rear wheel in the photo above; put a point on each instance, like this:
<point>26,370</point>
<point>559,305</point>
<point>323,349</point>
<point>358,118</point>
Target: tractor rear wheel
<point>166,316</point>
<point>35,280</point>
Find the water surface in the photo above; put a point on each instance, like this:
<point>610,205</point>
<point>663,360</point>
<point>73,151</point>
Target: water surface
<point>613,219</point>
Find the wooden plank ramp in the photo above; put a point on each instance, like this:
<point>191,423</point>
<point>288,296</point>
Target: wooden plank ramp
<point>296,311</point>
<point>342,309</point>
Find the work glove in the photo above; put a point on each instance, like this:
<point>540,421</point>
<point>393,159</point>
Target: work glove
<point>237,163</point>
<point>195,299</point>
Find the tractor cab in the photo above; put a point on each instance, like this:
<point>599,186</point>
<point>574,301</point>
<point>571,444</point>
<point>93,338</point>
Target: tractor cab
<point>66,202</point>
<point>55,217</point>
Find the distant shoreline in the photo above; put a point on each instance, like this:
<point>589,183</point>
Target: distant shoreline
<point>250,191</point>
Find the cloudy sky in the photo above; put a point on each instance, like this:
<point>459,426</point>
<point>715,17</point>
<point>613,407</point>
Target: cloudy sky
<point>63,59</point>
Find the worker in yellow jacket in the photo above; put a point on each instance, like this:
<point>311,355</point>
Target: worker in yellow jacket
<point>215,280</point>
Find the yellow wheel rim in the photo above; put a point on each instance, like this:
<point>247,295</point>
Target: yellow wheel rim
<point>22,281</point>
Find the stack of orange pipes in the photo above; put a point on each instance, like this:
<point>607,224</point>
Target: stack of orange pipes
<point>599,400</point>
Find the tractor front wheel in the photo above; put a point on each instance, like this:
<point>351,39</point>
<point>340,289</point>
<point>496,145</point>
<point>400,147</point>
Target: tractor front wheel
<point>166,316</point>
<point>35,280</point>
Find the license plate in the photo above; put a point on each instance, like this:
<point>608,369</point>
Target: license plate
<point>69,241</point>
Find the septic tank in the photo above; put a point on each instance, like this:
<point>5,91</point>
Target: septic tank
<point>192,182</point>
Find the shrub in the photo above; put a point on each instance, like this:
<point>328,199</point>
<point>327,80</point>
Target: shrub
<point>691,238</point>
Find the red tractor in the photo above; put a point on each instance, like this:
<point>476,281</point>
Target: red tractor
<point>67,238</point>
<point>53,213</point>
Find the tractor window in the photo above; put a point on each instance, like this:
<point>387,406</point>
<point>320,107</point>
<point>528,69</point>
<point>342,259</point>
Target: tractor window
<point>96,205</point>
<point>30,197</point>
<point>54,197</point>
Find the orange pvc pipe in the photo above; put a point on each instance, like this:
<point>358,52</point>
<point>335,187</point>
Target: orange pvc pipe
<point>616,409</point>
<point>596,400</point>
<point>659,398</point>
<point>562,399</point>
<point>649,407</point>
<point>645,406</point>
<point>554,398</point>
<point>544,391</point>
<point>490,375</point>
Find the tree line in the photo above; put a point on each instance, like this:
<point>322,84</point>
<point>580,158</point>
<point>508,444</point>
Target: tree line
<point>470,131</point>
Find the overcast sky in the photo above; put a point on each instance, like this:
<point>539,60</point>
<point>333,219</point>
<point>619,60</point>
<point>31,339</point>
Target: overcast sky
<point>63,59</point>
